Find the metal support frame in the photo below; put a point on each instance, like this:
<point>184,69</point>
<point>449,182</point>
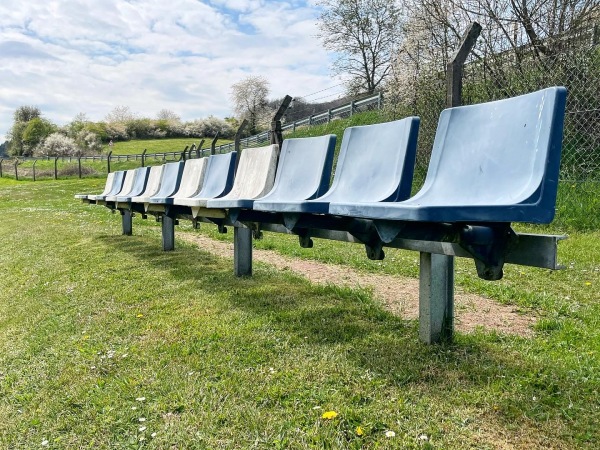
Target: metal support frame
<point>127,222</point>
<point>168,232</point>
<point>436,298</point>
<point>242,251</point>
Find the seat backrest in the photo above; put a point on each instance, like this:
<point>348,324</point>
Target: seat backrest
<point>153,184</point>
<point>170,179</point>
<point>127,182</point>
<point>139,183</point>
<point>304,169</point>
<point>109,182</point>
<point>117,184</point>
<point>219,175</point>
<point>255,173</point>
<point>192,178</point>
<point>376,163</point>
<point>505,152</point>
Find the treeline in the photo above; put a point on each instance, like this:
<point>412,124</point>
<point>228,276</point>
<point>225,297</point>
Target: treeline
<point>34,135</point>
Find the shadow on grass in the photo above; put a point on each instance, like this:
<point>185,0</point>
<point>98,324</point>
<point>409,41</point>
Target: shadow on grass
<point>504,379</point>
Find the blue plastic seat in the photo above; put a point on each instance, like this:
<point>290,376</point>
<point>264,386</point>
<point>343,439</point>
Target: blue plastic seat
<point>492,162</point>
<point>376,163</point>
<point>303,173</point>
<point>138,183</point>
<point>125,187</point>
<point>218,181</point>
<point>116,187</point>
<point>168,184</point>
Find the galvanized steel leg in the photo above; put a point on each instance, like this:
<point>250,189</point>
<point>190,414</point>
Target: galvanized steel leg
<point>168,233</point>
<point>127,221</point>
<point>436,298</point>
<point>242,251</point>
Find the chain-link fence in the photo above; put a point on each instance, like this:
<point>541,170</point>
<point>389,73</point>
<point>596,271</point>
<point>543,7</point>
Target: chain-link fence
<point>574,62</point>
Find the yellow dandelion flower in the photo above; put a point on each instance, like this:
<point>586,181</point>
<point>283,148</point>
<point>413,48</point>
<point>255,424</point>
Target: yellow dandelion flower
<point>359,431</point>
<point>588,283</point>
<point>139,315</point>
<point>328,415</point>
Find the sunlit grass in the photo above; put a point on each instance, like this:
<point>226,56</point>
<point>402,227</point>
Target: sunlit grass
<point>108,342</point>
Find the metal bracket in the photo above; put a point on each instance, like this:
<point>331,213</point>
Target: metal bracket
<point>488,245</point>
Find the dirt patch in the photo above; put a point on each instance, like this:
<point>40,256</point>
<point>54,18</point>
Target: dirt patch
<point>400,295</point>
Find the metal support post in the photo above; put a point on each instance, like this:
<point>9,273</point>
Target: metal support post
<point>436,291</point>
<point>34,163</point>
<point>78,166</point>
<point>213,144</point>
<point>276,131</point>
<point>436,298</point>
<point>16,170</point>
<point>168,233</point>
<point>144,157</point>
<point>56,168</point>
<point>127,221</point>
<point>242,251</point>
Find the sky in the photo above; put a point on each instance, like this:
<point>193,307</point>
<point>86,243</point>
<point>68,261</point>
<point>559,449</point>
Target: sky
<point>72,56</point>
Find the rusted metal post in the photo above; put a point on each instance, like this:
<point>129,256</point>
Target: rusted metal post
<point>454,69</point>
<point>144,157</point>
<point>214,143</point>
<point>56,167</point>
<point>276,134</point>
<point>34,163</point>
<point>16,171</point>
<point>108,161</point>
<point>199,148</point>
<point>236,141</point>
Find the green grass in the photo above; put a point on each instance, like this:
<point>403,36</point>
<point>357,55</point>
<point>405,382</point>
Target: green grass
<point>137,146</point>
<point>91,322</point>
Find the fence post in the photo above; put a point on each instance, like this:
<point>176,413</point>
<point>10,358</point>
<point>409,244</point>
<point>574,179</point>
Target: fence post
<point>214,143</point>
<point>276,132</point>
<point>16,171</point>
<point>56,167</point>
<point>379,101</point>
<point>78,166</point>
<point>436,272</point>
<point>351,108</point>
<point>329,115</point>
<point>454,69</point>
<point>144,157</point>
<point>236,142</point>
<point>199,148</point>
<point>108,161</point>
<point>34,163</point>
<point>1,161</point>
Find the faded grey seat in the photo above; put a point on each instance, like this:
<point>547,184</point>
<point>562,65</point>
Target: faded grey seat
<point>376,163</point>
<point>191,182</point>
<point>135,185</point>
<point>169,182</point>
<point>126,187</point>
<point>107,188</point>
<point>116,187</point>
<point>254,177</point>
<point>152,186</point>
<point>491,162</point>
<point>303,173</point>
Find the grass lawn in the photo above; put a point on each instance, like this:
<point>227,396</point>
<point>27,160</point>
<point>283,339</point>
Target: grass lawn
<point>108,342</point>
<point>137,146</point>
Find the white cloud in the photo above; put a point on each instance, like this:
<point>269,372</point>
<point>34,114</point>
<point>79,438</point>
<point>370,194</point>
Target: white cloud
<point>72,56</point>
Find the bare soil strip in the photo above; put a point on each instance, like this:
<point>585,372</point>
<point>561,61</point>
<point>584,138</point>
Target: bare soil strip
<point>399,295</point>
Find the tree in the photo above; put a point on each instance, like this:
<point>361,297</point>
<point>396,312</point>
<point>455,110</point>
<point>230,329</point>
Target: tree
<point>120,114</point>
<point>26,113</point>
<point>19,144</point>
<point>168,115</point>
<point>250,102</point>
<point>365,35</point>
<point>36,131</point>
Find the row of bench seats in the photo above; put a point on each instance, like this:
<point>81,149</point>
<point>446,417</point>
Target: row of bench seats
<point>491,164</point>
